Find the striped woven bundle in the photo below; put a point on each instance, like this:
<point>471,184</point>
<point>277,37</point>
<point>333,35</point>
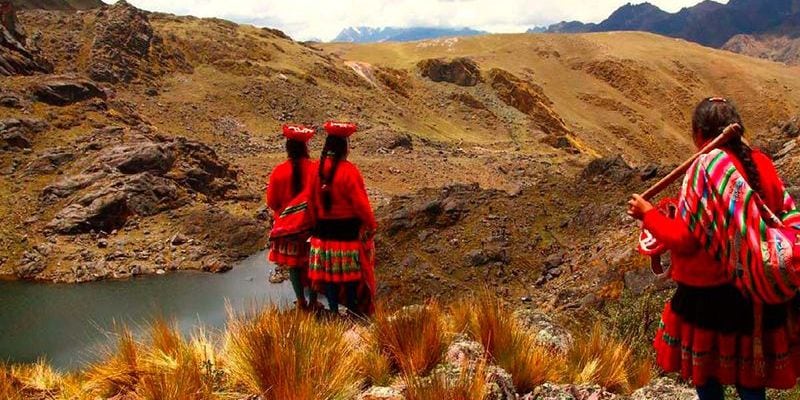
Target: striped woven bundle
<point>730,219</point>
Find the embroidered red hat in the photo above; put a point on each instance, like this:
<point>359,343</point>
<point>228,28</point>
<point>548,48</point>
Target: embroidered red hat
<point>341,129</point>
<point>300,133</point>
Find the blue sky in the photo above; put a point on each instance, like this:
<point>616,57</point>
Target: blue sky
<point>323,19</point>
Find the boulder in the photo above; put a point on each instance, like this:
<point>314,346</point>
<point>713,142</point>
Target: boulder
<point>126,48</point>
<point>65,90</point>
<point>613,168</point>
<point>108,207</point>
<point>550,391</point>
<point>16,58</point>
<point>12,100</point>
<point>138,157</point>
<point>460,71</point>
<point>382,393</point>
<point>18,133</point>
<point>548,332</point>
<point>463,352</point>
<point>664,389</point>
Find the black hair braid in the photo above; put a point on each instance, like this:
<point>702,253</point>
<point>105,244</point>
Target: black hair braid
<point>297,151</point>
<point>710,119</point>
<point>745,154</point>
<point>336,149</point>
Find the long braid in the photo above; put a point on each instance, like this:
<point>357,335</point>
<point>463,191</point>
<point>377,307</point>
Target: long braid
<point>336,149</point>
<point>297,151</point>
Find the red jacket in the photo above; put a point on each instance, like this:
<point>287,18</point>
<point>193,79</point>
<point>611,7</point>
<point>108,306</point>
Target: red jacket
<point>348,196</point>
<point>279,189</point>
<point>691,265</point>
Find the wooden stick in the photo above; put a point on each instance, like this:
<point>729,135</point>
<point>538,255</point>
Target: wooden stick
<point>732,131</point>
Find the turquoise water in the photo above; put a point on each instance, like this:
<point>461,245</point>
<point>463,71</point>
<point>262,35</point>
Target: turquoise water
<point>69,324</point>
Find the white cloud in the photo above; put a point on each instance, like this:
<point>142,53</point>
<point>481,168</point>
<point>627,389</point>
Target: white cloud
<point>323,19</point>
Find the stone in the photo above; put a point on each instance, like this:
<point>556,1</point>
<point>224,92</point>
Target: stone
<point>178,239</point>
<point>65,90</point>
<point>499,384</point>
<point>151,91</point>
<point>548,333</point>
<point>382,393</point>
<point>17,57</point>
<point>459,71</point>
<point>463,351</point>
<point>102,243</point>
<point>139,157</point>
<point>648,172</point>
<point>613,168</point>
<point>664,389</point>
<point>126,48</point>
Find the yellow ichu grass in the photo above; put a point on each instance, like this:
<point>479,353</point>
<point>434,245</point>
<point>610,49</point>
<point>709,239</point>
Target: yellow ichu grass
<point>166,367</point>
<point>468,384</point>
<point>374,365</point>
<point>290,355</point>
<point>9,387</point>
<point>413,338</point>
<point>598,358</point>
<point>511,345</point>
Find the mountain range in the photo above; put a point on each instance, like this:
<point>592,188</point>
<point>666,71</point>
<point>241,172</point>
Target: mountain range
<point>770,27</point>
<point>364,34</point>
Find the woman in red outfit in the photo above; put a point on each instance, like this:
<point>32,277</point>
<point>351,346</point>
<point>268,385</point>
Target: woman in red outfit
<point>344,223</point>
<point>707,329</point>
<point>287,181</point>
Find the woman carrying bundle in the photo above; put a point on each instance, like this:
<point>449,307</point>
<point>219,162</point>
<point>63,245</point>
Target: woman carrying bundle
<point>341,252</point>
<point>712,331</point>
<point>288,180</point>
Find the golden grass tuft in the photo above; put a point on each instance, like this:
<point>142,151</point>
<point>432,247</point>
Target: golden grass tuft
<point>119,372</point>
<point>290,355</point>
<point>598,358</point>
<point>373,363</point>
<point>469,383</point>
<point>38,378</point>
<point>166,367</point>
<point>413,338</point>
<point>512,346</point>
<point>9,387</point>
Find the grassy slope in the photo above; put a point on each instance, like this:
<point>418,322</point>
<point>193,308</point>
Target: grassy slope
<point>658,82</point>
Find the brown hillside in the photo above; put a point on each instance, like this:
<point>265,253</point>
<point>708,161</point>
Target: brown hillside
<point>148,147</point>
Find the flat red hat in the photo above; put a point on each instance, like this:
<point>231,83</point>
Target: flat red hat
<point>340,129</point>
<point>300,133</point>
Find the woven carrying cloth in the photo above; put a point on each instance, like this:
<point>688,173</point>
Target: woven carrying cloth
<point>731,221</point>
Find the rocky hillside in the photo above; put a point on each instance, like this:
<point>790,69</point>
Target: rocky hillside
<point>139,143</point>
<point>752,27</point>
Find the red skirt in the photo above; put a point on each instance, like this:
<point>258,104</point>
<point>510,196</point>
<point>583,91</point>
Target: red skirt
<point>700,354</point>
<point>289,252</point>
<point>334,261</point>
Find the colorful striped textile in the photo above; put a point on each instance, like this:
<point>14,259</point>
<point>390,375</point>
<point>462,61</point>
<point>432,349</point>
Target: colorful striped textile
<point>732,222</point>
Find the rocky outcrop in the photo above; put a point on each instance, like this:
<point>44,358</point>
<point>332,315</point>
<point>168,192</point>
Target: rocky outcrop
<point>529,99</point>
<point>18,58</point>
<point>144,177</point>
<point>613,168</point>
<point>459,71</point>
<point>127,49</point>
<point>664,389</point>
<point>17,134</point>
<point>66,90</point>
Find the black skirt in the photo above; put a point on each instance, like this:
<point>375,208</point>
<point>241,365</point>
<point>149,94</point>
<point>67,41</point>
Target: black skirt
<point>343,230</point>
<point>724,309</point>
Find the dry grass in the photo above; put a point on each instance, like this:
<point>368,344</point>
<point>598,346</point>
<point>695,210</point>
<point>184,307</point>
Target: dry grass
<point>508,343</point>
<point>373,363</point>
<point>413,338</point>
<point>598,358</point>
<point>465,384</point>
<point>289,355</point>
<point>165,367</point>
<point>8,386</point>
